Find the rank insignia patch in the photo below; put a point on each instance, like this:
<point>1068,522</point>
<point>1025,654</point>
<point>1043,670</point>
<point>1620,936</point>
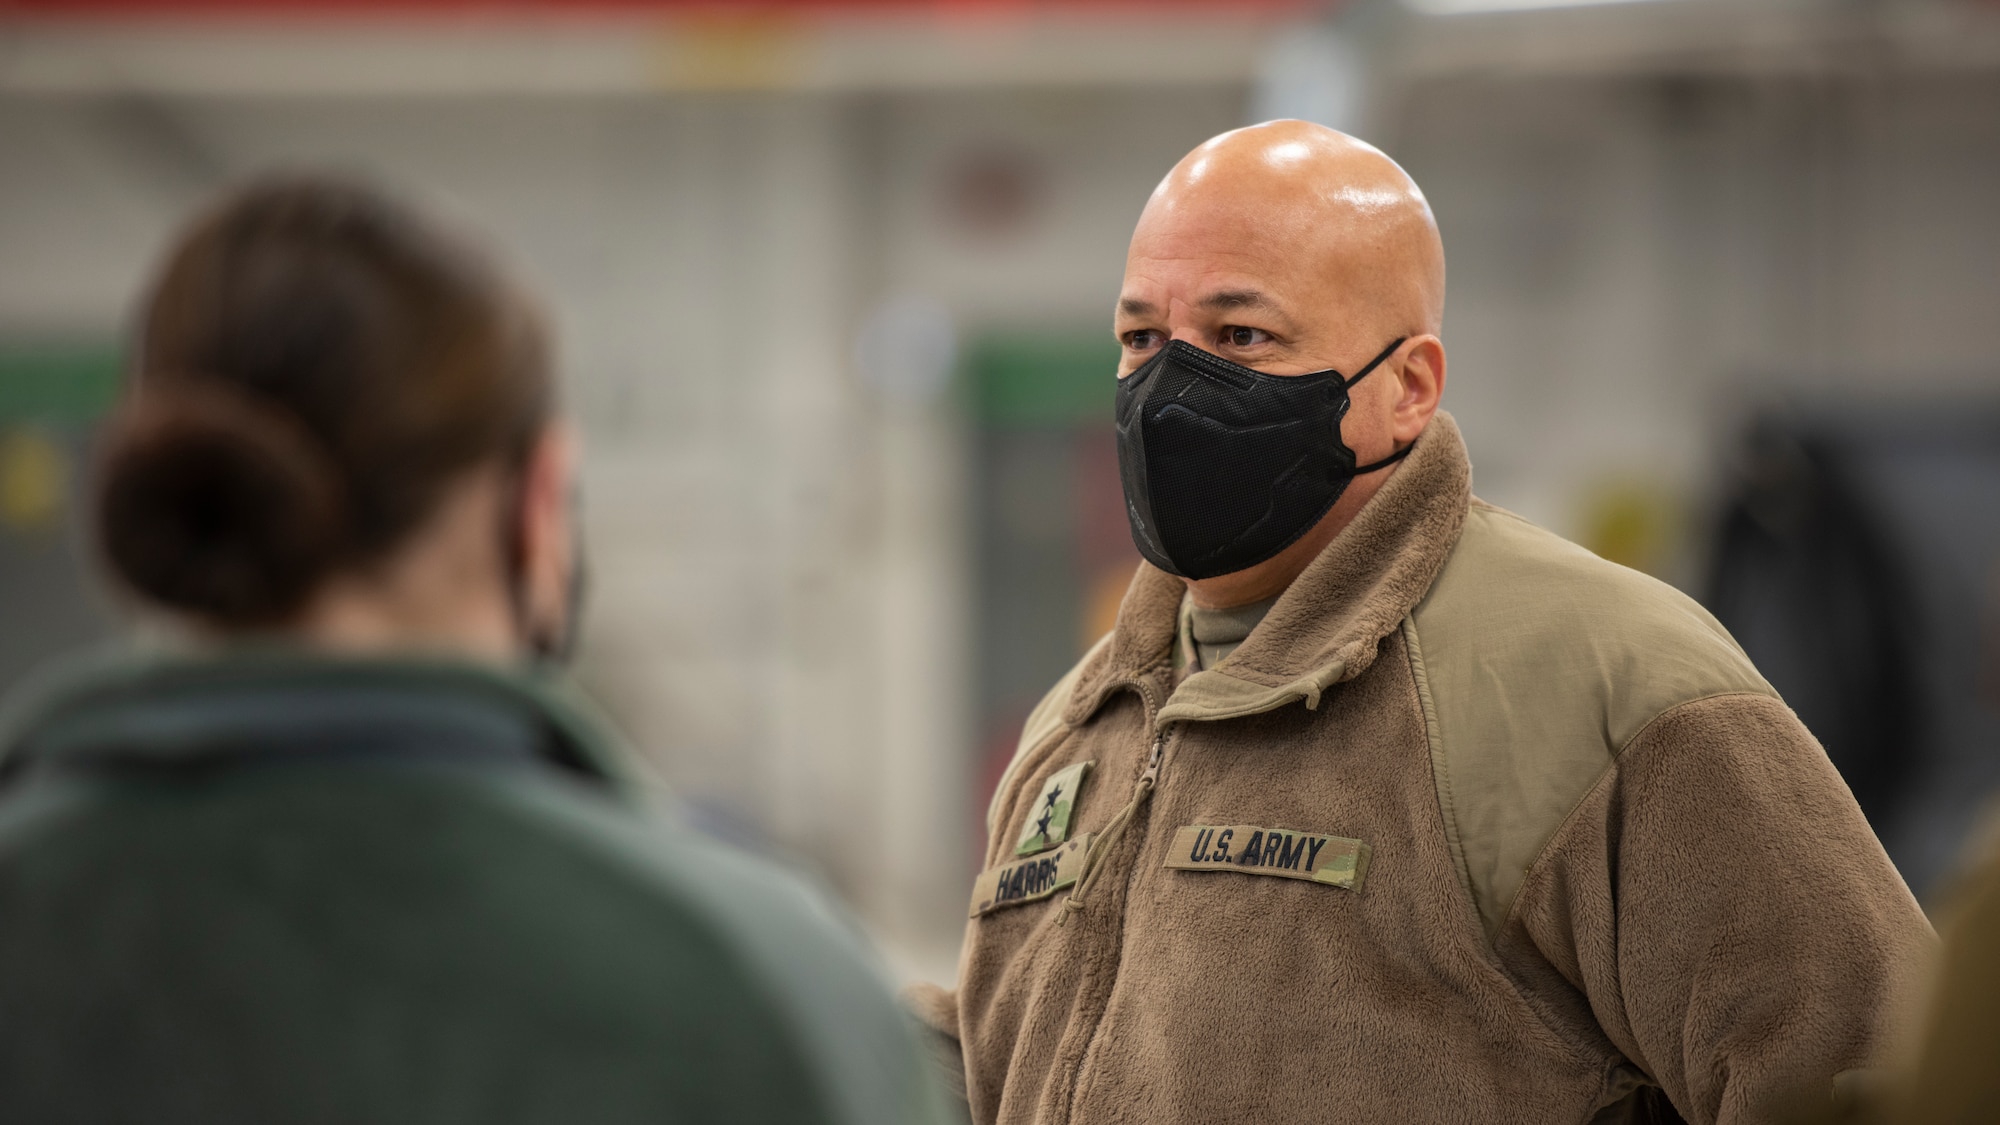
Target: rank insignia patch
<point>1029,880</point>
<point>1334,860</point>
<point>1048,819</point>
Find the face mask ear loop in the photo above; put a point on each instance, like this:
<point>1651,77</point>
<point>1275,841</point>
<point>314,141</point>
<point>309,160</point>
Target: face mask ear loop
<point>1363,374</point>
<point>1376,362</point>
<point>514,555</point>
<point>541,647</point>
<point>1386,461</point>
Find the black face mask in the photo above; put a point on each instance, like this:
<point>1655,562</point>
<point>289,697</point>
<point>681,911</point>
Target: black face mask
<point>1223,466</point>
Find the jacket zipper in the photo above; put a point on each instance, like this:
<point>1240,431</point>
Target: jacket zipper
<point>1100,847</point>
<point>1149,780</point>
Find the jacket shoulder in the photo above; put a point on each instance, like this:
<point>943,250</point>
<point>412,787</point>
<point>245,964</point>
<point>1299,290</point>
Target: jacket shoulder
<point>792,947</point>
<point>731,987</point>
<point>1537,662</point>
<point>1042,722</point>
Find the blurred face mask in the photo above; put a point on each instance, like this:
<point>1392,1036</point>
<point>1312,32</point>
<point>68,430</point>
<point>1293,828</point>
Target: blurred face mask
<point>555,642</point>
<point>548,642</point>
<point>1223,466</point>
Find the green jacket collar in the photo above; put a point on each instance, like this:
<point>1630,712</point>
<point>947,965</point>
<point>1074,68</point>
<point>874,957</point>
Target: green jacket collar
<point>1325,629</point>
<point>255,704</point>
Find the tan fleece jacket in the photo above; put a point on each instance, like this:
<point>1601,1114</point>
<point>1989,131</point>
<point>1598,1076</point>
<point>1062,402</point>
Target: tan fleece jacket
<point>1473,827</point>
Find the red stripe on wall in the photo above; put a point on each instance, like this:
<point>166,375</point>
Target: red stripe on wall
<point>366,9</point>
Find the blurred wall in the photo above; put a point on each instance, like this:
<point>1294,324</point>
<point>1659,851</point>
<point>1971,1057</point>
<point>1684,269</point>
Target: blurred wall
<point>781,612</point>
<point>1638,261</point>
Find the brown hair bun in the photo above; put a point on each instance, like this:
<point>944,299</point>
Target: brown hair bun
<point>315,365</point>
<point>214,505</point>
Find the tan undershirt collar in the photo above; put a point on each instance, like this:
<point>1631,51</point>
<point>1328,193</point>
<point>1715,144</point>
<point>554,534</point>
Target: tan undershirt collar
<point>1208,636</point>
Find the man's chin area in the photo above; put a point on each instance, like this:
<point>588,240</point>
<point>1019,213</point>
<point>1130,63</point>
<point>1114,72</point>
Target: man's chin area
<point>1274,575</point>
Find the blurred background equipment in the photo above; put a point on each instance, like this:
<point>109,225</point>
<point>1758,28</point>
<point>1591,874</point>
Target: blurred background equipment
<point>834,283</point>
<point>1858,562</point>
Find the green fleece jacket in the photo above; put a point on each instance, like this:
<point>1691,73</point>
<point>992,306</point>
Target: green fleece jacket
<point>1473,827</point>
<point>270,888</point>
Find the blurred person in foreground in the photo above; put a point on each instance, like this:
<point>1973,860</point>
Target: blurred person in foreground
<point>1948,1073</point>
<point>1380,803</point>
<point>345,858</point>
<point>1954,1075</point>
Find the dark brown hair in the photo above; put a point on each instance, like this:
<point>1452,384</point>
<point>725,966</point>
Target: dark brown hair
<point>314,365</point>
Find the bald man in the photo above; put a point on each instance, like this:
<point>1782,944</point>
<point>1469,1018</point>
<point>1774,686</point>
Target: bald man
<point>1380,804</point>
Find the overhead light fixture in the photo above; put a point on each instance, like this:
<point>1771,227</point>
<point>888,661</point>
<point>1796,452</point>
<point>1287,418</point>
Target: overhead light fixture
<point>1482,7</point>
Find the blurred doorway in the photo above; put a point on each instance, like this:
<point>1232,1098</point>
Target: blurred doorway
<point>1053,551</point>
<point>52,395</point>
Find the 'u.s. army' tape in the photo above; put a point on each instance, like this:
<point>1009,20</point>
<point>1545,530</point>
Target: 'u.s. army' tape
<point>1031,879</point>
<point>1246,848</point>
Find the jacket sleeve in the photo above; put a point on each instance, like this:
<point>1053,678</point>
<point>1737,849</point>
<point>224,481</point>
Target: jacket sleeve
<point>1727,913</point>
<point>814,968</point>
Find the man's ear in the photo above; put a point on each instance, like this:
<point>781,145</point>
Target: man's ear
<point>1422,378</point>
<point>548,533</point>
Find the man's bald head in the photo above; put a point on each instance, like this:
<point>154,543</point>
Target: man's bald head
<point>1290,248</point>
<point>1301,201</point>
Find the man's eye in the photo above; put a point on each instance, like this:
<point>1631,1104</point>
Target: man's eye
<point>1245,337</point>
<point>1144,339</point>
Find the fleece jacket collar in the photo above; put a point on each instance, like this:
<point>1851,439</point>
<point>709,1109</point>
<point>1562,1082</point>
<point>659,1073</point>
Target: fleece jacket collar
<point>130,712</point>
<point>1327,625</point>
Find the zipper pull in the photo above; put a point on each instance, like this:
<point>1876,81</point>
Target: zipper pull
<point>1100,845</point>
<point>1151,777</point>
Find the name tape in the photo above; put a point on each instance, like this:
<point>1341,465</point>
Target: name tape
<point>1029,880</point>
<point>1245,848</point>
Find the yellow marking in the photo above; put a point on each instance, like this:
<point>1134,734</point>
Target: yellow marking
<point>33,479</point>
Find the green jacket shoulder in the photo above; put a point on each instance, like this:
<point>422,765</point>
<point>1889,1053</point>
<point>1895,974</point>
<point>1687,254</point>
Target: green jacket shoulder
<point>287,888</point>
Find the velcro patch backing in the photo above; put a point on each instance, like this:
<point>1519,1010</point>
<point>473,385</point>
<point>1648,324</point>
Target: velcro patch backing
<point>1245,848</point>
<point>1029,880</point>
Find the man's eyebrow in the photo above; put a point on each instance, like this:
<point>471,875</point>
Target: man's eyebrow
<point>1223,299</point>
<point>1218,301</point>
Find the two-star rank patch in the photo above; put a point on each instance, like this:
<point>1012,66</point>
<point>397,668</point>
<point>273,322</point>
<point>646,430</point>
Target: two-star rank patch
<point>1334,860</point>
<point>1028,880</point>
<point>1048,818</point>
